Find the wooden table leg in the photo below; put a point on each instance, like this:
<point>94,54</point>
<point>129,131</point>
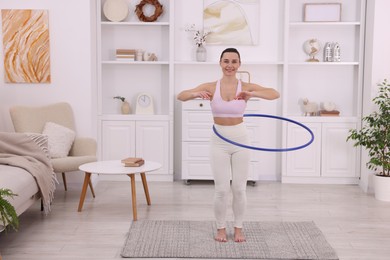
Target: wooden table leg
<point>91,187</point>
<point>146,189</point>
<point>133,196</point>
<point>87,179</point>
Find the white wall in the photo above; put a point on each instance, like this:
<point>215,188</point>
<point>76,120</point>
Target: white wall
<point>70,63</point>
<point>377,66</point>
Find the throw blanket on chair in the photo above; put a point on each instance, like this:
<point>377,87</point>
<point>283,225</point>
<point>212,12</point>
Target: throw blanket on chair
<point>29,151</point>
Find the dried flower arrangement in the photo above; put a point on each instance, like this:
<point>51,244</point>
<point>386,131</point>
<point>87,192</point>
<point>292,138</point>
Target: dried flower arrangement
<point>199,36</point>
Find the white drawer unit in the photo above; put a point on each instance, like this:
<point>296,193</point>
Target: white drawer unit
<point>197,123</point>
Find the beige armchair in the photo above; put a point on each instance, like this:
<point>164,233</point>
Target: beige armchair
<point>33,119</point>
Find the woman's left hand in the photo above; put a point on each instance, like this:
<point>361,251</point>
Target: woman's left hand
<point>244,95</point>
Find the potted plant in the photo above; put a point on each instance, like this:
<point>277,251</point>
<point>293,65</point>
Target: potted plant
<point>125,108</point>
<point>375,137</point>
<point>8,216</point>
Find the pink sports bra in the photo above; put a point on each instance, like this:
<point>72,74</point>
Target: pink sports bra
<point>222,108</point>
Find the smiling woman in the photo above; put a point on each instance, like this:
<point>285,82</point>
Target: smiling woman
<point>228,99</point>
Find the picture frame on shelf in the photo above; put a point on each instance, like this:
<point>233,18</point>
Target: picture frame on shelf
<point>322,12</point>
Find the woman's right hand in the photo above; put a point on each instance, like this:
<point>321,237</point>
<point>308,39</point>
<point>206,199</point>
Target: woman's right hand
<point>203,95</point>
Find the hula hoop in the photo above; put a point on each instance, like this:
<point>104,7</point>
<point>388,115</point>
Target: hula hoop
<point>270,149</point>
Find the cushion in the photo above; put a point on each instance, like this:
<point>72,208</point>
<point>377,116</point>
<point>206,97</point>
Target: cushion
<point>60,139</point>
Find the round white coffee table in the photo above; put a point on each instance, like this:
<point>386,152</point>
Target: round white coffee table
<point>118,168</point>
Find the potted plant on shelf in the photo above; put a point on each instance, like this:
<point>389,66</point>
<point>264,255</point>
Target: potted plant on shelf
<point>125,108</point>
<point>8,216</point>
<point>375,137</point>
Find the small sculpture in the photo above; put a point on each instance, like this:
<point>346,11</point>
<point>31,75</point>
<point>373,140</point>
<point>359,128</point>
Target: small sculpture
<point>309,108</point>
<point>149,56</point>
<point>332,52</point>
<point>336,52</point>
<point>328,52</point>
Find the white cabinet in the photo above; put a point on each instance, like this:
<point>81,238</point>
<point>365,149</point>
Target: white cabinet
<point>146,139</point>
<point>197,123</point>
<point>329,159</point>
<point>147,136</point>
<point>119,140</point>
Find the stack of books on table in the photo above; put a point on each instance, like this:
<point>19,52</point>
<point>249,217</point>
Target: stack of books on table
<point>125,54</point>
<point>329,113</point>
<point>133,162</point>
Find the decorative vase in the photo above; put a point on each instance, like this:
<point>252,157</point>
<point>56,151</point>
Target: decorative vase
<point>201,53</point>
<point>125,108</point>
<point>382,187</point>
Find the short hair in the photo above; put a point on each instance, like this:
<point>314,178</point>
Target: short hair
<point>234,50</point>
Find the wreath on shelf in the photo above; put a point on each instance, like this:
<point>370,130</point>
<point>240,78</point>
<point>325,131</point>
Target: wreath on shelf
<point>158,10</point>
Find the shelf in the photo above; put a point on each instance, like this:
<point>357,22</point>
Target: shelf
<point>119,117</point>
<point>136,62</point>
<point>324,23</point>
<point>216,63</point>
<point>324,63</point>
<point>324,119</point>
<point>135,23</point>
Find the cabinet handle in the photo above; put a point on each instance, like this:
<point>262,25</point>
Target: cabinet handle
<point>201,104</point>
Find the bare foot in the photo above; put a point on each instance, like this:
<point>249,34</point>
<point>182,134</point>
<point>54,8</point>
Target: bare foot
<point>238,235</point>
<point>221,235</point>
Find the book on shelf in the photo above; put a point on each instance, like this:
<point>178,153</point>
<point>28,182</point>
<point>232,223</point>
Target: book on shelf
<point>133,162</point>
<point>125,59</point>
<point>329,113</point>
<point>126,51</point>
<point>125,56</point>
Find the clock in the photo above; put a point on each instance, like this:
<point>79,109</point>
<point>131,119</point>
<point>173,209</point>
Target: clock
<point>144,104</point>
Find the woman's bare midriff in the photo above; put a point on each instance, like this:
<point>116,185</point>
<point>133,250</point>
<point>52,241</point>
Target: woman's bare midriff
<point>228,120</point>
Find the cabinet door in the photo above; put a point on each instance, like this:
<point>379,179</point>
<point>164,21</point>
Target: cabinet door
<point>338,155</point>
<point>305,162</point>
<point>118,140</point>
<point>152,142</point>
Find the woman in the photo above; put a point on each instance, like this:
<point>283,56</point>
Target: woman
<point>228,97</point>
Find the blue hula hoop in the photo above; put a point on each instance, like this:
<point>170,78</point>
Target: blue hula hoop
<point>270,149</point>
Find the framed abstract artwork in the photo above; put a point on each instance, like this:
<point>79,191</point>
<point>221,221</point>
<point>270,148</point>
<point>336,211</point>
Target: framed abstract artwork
<point>231,22</point>
<point>26,46</point>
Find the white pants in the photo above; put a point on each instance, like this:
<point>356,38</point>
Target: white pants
<point>229,161</point>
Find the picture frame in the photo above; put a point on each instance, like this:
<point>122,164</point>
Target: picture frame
<point>322,12</point>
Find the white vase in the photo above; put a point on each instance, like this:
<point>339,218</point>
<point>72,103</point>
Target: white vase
<point>382,188</point>
<point>201,53</point>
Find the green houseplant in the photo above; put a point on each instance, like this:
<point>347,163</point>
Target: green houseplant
<point>8,216</point>
<point>375,137</point>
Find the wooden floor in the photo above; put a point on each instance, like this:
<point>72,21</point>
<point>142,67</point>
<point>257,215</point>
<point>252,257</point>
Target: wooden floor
<point>354,223</point>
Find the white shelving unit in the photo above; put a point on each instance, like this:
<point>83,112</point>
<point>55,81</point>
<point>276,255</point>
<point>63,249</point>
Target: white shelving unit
<point>277,61</point>
<point>330,159</point>
<point>147,136</point>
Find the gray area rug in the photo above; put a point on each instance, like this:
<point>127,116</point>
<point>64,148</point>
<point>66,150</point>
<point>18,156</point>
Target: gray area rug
<point>195,239</point>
